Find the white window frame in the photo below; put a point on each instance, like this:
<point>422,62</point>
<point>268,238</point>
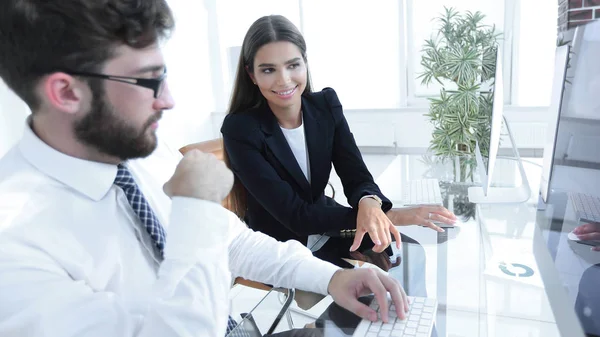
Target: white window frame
<point>215,57</point>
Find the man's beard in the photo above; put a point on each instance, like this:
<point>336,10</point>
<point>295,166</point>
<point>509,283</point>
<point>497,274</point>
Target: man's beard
<point>104,130</point>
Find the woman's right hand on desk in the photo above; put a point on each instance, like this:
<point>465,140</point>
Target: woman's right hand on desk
<point>422,215</point>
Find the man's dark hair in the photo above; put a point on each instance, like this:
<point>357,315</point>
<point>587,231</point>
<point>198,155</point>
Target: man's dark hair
<point>38,37</point>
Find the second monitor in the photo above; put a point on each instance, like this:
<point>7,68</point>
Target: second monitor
<point>486,193</point>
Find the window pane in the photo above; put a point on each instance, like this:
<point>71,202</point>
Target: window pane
<point>189,77</point>
<point>234,19</point>
<point>422,26</point>
<point>354,47</point>
<point>534,56</point>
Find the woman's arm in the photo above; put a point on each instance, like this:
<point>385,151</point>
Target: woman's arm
<point>358,182</point>
<point>348,162</point>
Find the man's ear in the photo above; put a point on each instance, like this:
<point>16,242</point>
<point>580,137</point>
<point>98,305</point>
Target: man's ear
<point>63,92</point>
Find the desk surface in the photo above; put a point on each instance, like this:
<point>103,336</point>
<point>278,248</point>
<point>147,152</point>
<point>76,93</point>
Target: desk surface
<point>485,273</point>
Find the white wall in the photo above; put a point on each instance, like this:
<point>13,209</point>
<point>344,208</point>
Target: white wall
<point>187,56</point>
<point>13,112</point>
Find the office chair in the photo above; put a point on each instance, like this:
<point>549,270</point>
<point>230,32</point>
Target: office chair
<point>248,324</point>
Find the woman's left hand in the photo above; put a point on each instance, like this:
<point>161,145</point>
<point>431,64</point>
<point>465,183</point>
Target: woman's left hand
<point>422,215</point>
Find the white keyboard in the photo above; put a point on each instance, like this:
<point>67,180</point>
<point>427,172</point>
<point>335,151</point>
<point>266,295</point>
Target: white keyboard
<point>418,323</point>
<point>587,207</point>
<point>421,192</point>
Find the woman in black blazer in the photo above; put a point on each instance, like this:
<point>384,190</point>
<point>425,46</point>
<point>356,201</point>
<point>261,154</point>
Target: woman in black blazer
<point>281,139</point>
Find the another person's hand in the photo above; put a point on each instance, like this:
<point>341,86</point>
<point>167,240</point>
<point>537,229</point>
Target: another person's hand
<point>422,215</point>
<point>202,176</point>
<point>372,220</point>
<point>347,285</point>
<point>589,232</point>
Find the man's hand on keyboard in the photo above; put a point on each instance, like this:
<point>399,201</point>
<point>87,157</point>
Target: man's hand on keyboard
<point>422,215</point>
<point>347,285</point>
<point>589,232</point>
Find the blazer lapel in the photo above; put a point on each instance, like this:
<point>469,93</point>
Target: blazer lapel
<point>316,134</point>
<point>279,146</point>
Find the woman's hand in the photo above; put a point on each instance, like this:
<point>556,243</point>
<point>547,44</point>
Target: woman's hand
<point>589,232</point>
<point>422,215</point>
<point>372,220</point>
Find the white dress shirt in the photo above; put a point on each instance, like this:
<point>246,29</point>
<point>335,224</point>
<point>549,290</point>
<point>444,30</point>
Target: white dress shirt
<point>297,141</point>
<point>75,259</point>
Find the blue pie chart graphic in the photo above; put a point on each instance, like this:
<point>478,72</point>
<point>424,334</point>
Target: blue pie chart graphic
<point>515,269</point>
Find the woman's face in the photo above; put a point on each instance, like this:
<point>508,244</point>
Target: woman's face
<point>280,74</point>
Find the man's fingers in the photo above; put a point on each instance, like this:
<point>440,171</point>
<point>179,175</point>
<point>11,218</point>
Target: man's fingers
<point>357,240</point>
<point>361,310</point>
<point>167,189</point>
<point>397,294</point>
<point>380,293</point>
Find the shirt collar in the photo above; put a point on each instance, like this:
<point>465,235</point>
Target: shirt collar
<point>92,179</point>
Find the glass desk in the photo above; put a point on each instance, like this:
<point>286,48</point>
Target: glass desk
<point>484,272</point>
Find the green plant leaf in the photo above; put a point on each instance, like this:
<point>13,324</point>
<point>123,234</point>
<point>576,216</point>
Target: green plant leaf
<point>462,51</point>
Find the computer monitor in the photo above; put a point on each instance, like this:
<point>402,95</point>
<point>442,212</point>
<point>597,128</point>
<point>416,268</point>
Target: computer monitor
<point>486,193</point>
<point>570,270</point>
<point>572,152</point>
<point>558,85</point>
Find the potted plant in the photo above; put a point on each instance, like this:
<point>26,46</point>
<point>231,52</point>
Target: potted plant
<point>461,56</point>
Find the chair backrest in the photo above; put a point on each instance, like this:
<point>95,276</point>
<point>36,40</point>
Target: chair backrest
<point>214,146</point>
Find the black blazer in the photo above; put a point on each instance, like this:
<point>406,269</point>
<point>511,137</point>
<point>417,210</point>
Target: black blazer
<point>280,201</point>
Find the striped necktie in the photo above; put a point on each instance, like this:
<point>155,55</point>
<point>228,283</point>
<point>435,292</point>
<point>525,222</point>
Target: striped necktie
<point>141,207</point>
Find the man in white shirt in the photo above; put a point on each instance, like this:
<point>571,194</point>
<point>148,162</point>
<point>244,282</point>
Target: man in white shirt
<point>91,242</point>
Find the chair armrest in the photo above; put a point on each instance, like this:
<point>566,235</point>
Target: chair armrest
<point>252,284</point>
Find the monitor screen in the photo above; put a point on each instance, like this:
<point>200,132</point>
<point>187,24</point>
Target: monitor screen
<point>497,113</point>
<point>576,145</point>
<point>558,84</point>
<point>573,172</point>
<point>489,128</point>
